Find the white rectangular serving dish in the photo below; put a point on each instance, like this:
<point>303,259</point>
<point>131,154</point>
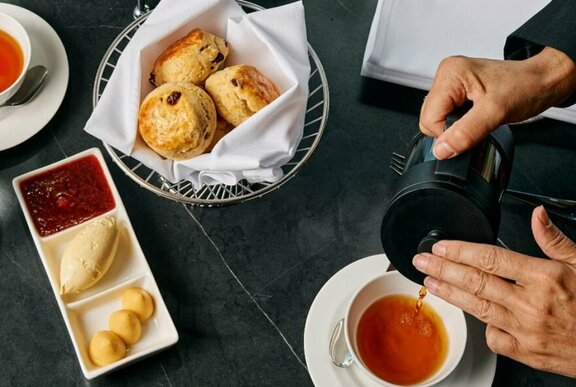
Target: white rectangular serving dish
<point>87,312</point>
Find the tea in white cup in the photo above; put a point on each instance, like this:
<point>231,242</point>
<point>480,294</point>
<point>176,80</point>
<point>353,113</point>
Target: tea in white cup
<point>397,341</point>
<point>15,52</point>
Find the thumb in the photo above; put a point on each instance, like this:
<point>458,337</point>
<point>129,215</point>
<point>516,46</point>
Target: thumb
<point>465,133</point>
<point>551,240</point>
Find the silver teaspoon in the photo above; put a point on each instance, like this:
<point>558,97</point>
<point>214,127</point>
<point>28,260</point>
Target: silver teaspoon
<point>31,85</point>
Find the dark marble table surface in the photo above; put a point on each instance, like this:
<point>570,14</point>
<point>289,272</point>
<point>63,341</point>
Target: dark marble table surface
<point>239,280</point>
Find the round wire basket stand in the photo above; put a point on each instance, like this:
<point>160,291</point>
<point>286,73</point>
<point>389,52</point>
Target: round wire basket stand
<point>183,191</point>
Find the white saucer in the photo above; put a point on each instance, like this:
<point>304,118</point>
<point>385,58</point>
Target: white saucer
<point>477,367</point>
<point>18,124</point>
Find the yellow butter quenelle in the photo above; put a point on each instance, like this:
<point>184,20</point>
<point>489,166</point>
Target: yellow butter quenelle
<point>89,255</point>
<point>139,301</point>
<point>106,347</point>
<point>125,324</point>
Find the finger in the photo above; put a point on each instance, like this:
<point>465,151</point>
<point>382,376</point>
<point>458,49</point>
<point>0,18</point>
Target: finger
<point>501,342</point>
<point>433,114</point>
<point>487,311</point>
<point>472,280</point>
<point>466,132</point>
<point>506,344</point>
<point>551,240</point>
<point>491,259</point>
<point>446,94</point>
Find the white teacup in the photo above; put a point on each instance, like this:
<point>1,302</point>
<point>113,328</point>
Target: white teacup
<point>394,283</point>
<point>13,28</point>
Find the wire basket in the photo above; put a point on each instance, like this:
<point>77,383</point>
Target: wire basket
<point>220,194</point>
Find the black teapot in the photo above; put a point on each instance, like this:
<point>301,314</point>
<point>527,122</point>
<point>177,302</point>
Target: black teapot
<point>458,198</point>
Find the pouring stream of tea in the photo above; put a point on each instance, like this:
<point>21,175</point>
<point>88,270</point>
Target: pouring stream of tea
<point>421,294</point>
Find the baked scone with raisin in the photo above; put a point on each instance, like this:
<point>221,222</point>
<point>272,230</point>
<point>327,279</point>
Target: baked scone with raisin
<point>177,120</point>
<point>240,91</point>
<point>190,59</point>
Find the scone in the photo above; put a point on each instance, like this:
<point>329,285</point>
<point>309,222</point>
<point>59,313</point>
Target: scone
<point>223,127</point>
<point>239,92</point>
<point>190,59</point>
<point>177,120</point>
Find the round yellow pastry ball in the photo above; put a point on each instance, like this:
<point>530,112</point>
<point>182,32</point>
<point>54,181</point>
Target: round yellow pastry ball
<point>125,324</point>
<point>106,347</point>
<point>138,301</point>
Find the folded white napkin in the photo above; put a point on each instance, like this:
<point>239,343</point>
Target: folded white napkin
<point>409,38</point>
<point>272,40</point>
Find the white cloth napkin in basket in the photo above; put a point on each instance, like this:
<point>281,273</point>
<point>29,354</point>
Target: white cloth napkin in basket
<point>409,38</point>
<point>272,40</point>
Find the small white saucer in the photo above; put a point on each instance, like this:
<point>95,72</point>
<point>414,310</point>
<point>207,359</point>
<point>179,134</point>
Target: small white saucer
<point>18,124</point>
<point>477,367</point>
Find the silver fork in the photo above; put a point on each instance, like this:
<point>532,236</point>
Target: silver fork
<point>564,208</point>
<point>397,163</point>
<point>140,9</point>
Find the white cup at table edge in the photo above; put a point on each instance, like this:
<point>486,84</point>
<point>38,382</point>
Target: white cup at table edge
<point>13,27</point>
<point>391,283</point>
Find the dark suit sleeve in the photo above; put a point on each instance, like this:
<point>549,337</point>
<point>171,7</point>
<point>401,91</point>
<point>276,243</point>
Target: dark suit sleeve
<point>554,26</point>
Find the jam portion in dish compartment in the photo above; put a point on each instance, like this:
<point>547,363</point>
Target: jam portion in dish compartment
<point>67,195</point>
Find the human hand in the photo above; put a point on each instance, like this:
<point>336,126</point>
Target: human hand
<point>502,91</point>
<point>528,303</point>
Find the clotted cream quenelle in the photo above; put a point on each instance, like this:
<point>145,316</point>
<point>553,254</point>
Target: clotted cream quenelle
<point>89,255</point>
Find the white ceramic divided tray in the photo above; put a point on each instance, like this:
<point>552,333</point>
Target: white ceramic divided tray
<point>87,312</point>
